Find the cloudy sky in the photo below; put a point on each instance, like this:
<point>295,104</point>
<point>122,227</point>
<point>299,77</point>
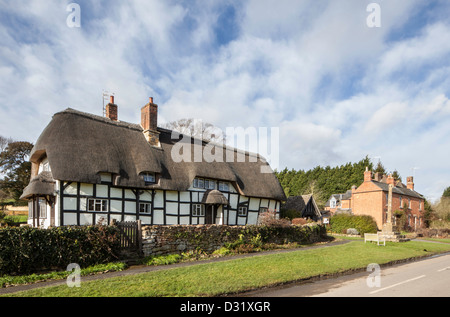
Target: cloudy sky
<point>339,79</point>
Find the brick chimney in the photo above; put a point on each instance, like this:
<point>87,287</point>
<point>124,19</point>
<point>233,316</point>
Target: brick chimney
<point>377,176</point>
<point>410,182</point>
<point>149,122</point>
<point>367,175</point>
<point>390,180</point>
<point>111,109</point>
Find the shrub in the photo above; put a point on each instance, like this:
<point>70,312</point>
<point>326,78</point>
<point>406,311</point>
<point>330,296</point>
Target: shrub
<point>364,224</point>
<point>299,221</point>
<point>25,249</point>
<point>270,218</point>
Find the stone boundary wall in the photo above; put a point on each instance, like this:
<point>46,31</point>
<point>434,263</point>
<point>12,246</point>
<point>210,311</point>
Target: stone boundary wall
<point>175,239</point>
<point>433,232</point>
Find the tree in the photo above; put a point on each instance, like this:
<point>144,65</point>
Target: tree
<point>4,143</point>
<point>446,193</point>
<point>396,176</point>
<point>15,165</point>
<point>380,168</point>
<point>197,129</point>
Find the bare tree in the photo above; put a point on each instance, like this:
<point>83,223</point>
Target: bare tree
<point>4,143</point>
<point>198,129</point>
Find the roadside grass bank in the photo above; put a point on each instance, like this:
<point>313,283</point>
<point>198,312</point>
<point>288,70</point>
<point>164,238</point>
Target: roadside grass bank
<point>9,280</point>
<point>240,275</point>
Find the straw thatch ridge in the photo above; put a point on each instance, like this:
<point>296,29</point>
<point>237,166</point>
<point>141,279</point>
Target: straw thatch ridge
<point>79,146</point>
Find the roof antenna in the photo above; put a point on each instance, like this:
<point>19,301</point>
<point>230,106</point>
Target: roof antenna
<point>105,96</point>
<point>414,170</point>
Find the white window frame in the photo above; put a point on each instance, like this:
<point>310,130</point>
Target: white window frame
<point>147,208</point>
<point>102,203</point>
<point>242,211</point>
<point>42,208</point>
<point>198,210</point>
<point>333,203</point>
<point>210,184</point>
<point>149,178</point>
<point>223,186</point>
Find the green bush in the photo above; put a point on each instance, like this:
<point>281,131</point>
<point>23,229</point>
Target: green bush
<point>25,250</point>
<point>364,224</point>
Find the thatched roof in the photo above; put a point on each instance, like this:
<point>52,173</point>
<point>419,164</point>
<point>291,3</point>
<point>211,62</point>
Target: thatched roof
<point>214,197</point>
<point>297,202</point>
<point>305,204</point>
<point>43,184</point>
<point>79,146</point>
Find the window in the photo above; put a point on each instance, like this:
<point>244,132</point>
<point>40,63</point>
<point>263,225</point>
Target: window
<point>223,186</point>
<point>401,205</point>
<point>263,209</point>
<point>242,211</point>
<point>106,177</point>
<point>149,178</point>
<point>333,203</point>
<point>97,204</point>
<point>210,184</point>
<point>46,167</point>
<point>198,210</point>
<point>42,208</point>
<point>204,183</point>
<point>409,203</point>
<point>145,208</point>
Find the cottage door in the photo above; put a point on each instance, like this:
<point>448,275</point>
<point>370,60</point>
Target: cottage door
<point>210,214</point>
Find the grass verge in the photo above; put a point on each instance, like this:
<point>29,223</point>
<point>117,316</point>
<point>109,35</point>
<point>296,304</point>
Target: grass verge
<point>34,278</point>
<point>239,275</point>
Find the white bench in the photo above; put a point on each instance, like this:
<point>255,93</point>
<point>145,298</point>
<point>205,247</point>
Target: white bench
<point>374,237</point>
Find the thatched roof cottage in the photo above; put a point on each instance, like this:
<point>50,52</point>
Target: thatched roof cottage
<point>88,169</point>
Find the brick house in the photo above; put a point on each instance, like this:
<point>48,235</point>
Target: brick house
<point>371,198</point>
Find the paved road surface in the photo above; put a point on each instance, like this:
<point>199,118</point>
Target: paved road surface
<point>425,278</point>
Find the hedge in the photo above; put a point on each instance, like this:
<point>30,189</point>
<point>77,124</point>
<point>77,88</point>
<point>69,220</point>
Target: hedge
<point>364,224</point>
<point>25,250</point>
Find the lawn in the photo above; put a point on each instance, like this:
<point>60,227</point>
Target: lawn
<point>238,275</point>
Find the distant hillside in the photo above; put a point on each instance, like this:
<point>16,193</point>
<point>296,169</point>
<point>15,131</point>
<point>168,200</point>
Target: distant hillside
<point>322,182</point>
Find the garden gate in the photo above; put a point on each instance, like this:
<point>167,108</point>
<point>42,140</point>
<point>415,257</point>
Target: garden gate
<point>130,235</point>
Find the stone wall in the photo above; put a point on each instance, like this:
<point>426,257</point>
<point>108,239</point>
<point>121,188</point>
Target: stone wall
<point>161,240</point>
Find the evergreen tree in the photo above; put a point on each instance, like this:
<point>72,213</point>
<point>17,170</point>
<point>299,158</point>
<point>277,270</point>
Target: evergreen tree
<point>323,181</point>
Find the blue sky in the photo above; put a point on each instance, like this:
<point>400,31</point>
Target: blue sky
<point>337,89</point>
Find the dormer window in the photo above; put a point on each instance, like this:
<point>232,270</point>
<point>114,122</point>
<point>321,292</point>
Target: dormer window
<point>149,178</point>
<point>204,183</point>
<point>44,166</point>
<point>223,186</point>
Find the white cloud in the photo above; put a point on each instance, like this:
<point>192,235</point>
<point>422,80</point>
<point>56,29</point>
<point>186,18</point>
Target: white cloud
<point>337,89</point>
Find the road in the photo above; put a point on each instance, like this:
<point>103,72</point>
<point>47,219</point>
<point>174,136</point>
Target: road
<point>425,278</point>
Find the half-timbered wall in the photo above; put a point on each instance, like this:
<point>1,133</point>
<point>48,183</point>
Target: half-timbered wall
<point>152,206</point>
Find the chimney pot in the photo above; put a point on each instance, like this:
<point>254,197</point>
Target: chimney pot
<point>149,122</point>
<point>391,180</point>
<point>410,182</point>
<point>111,109</point>
<point>367,175</point>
